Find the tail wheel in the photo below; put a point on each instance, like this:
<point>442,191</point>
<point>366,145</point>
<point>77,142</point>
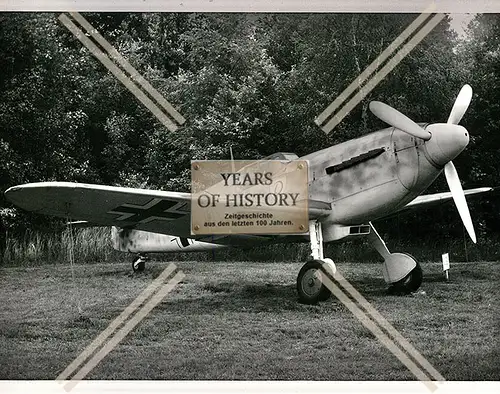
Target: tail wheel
<point>139,264</point>
<point>310,287</point>
<point>409,284</point>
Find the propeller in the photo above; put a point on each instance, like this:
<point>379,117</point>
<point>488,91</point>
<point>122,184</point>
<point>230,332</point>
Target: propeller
<point>461,104</point>
<point>444,142</point>
<point>457,112</point>
<point>395,118</point>
<point>459,198</point>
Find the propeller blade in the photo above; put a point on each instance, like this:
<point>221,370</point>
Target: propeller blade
<point>395,118</point>
<point>459,197</point>
<point>461,104</point>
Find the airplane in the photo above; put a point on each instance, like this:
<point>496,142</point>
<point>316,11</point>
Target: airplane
<point>351,185</point>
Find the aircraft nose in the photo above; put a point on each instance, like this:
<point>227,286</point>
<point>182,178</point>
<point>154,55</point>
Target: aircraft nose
<point>446,143</point>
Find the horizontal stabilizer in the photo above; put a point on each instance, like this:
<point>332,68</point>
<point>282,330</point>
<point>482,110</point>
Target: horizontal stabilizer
<point>84,224</point>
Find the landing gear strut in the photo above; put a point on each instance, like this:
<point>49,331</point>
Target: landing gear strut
<point>139,263</point>
<point>401,271</point>
<point>310,287</point>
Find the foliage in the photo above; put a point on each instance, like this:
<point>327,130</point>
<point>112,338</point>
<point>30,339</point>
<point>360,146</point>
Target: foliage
<point>482,54</point>
<point>253,82</point>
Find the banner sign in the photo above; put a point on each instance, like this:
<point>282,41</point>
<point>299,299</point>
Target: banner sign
<point>249,197</point>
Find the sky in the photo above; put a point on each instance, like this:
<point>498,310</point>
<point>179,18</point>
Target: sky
<point>459,22</point>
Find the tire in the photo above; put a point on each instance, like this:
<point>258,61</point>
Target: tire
<point>139,264</point>
<point>309,286</point>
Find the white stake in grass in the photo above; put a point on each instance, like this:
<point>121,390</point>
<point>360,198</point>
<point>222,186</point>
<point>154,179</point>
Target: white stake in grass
<point>446,265</point>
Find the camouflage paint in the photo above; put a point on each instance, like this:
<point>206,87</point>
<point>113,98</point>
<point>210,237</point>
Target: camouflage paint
<point>375,187</point>
<point>364,192</point>
<point>137,241</point>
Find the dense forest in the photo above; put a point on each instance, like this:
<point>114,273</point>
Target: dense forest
<point>253,82</point>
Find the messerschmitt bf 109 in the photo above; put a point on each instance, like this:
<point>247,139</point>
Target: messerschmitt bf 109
<point>350,185</point>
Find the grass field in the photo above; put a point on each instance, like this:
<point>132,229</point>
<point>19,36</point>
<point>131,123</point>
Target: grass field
<point>242,321</point>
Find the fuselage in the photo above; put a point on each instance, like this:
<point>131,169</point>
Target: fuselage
<point>362,180</point>
<point>370,177</point>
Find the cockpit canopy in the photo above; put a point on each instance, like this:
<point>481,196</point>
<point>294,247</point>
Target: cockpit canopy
<point>281,156</point>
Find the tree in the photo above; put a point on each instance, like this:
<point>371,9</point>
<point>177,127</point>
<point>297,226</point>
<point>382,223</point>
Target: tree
<point>252,82</point>
<point>481,53</point>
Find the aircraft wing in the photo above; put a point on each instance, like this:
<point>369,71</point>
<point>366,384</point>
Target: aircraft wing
<point>97,205</point>
<point>430,200</point>
<point>150,210</point>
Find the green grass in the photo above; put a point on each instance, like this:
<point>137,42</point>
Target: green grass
<point>242,321</point>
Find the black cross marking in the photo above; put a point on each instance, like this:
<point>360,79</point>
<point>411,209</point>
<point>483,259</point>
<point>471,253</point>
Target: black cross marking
<point>140,213</point>
<point>181,242</point>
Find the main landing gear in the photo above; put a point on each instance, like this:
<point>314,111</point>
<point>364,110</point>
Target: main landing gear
<point>401,271</point>
<point>310,287</point>
<point>139,263</point>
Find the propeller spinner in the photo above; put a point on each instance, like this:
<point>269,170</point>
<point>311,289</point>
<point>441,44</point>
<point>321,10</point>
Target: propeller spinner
<point>444,142</point>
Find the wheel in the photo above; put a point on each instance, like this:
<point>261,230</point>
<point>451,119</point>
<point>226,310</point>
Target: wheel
<point>409,284</point>
<point>310,288</point>
<point>139,264</point>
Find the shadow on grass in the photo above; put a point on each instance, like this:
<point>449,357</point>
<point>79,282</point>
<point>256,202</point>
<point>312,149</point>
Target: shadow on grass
<point>237,296</point>
<point>369,286</point>
<point>263,297</point>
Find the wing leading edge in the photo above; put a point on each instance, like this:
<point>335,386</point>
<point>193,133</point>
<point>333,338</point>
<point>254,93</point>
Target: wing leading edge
<point>97,205</point>
<point>150,210</point>
<point>430,200</point>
